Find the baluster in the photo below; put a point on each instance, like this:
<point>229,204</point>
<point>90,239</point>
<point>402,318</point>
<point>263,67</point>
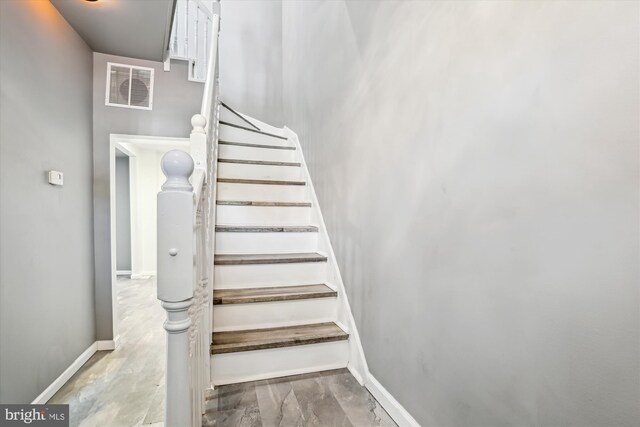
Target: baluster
<point>175,280</point>
<point>198,140</point>
<point>186,29</point>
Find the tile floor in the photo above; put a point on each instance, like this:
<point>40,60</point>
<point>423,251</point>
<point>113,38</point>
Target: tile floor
<point>330,398</point>
<point>125,387</point>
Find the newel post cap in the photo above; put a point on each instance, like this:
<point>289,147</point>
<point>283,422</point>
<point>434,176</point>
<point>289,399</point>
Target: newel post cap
<point>198,122</point>
<point>177,166</point>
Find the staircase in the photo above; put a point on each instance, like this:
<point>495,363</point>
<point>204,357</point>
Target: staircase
<point>275,311</point>
<point>246,272</point>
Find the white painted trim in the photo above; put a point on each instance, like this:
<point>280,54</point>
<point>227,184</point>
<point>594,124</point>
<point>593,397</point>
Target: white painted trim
<point>279,374</point>
<point>400,415</point>
<point>267,325</point>
<point>123,272</point>
<point>143,275</point>
<point>108,344</point>
<point>357,360</point>
<point>65,376</point>
<point>356,374</point>
<point>121,138</point>
<point>112,226</point>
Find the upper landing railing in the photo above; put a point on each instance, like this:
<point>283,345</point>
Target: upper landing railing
<point>191,34</point>
<point>186,218</point>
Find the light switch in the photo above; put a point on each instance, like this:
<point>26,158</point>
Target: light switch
<point>55,178</point>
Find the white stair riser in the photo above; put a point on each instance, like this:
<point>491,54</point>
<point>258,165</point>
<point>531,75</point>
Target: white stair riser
<point>255,365</point>
<point>263,215</point>
<point>265,243</point>
<point>263,275</point>
<point>262,192</point>
<point>233,134</point>
<point>273,314</point>
<point>237,170</point>
<point>251,153</point>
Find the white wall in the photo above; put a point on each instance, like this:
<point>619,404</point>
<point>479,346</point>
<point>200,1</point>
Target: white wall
<point>477,165</point>
<point>146,181</point>
<point>251,58</point>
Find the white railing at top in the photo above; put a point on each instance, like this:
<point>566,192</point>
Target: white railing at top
<point>191,33</point>
<point>186,219</point>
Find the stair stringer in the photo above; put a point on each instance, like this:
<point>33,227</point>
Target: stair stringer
<point>357,364</point>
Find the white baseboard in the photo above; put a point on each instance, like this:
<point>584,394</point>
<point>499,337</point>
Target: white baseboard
<point>143,275</point>
<point>64,377</point>
<point>123,272</point>
<point>356,374</point>
<point>74,367</point>
<point>108,344</point>
<point>400,415</point>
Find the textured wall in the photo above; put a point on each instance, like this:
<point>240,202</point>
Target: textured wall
<point>175,100</point>
<point>477,166</point>
<point>46,240</point>
<point>251,58</point>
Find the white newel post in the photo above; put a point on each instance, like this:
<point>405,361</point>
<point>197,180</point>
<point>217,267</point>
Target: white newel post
<point>175,281</point>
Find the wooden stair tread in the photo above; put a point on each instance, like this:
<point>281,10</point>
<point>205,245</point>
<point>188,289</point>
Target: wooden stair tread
<point>244,259</point>
<point>246,144</point>
<point>260,181</point>
<point>277,293</point>
<point>253,130</point>
<point>259,162</point>
<point>266,229</point>
<point>259,339</point>
<point>257,203</point>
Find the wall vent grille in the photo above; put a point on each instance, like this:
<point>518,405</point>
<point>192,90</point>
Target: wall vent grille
<point>129,86</point>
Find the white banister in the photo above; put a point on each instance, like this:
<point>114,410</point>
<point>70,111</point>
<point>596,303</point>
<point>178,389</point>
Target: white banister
<point>211,81</point>
<point>186,215</point>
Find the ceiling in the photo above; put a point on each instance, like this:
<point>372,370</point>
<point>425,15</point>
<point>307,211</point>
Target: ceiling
<point>132,28</point>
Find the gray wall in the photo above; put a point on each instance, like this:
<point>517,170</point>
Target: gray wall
<point>251,58</point>
<point>123,214</point>
<point>175,100</point>
<point>477,166</point>
<point>46,244</point>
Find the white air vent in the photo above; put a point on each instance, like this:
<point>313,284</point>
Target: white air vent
<point>129,86</point>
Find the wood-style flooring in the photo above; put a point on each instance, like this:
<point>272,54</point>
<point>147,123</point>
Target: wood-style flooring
<point>126,387</point>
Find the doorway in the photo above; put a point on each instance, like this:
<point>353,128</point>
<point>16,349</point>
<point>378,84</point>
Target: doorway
<point>136,178</point>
